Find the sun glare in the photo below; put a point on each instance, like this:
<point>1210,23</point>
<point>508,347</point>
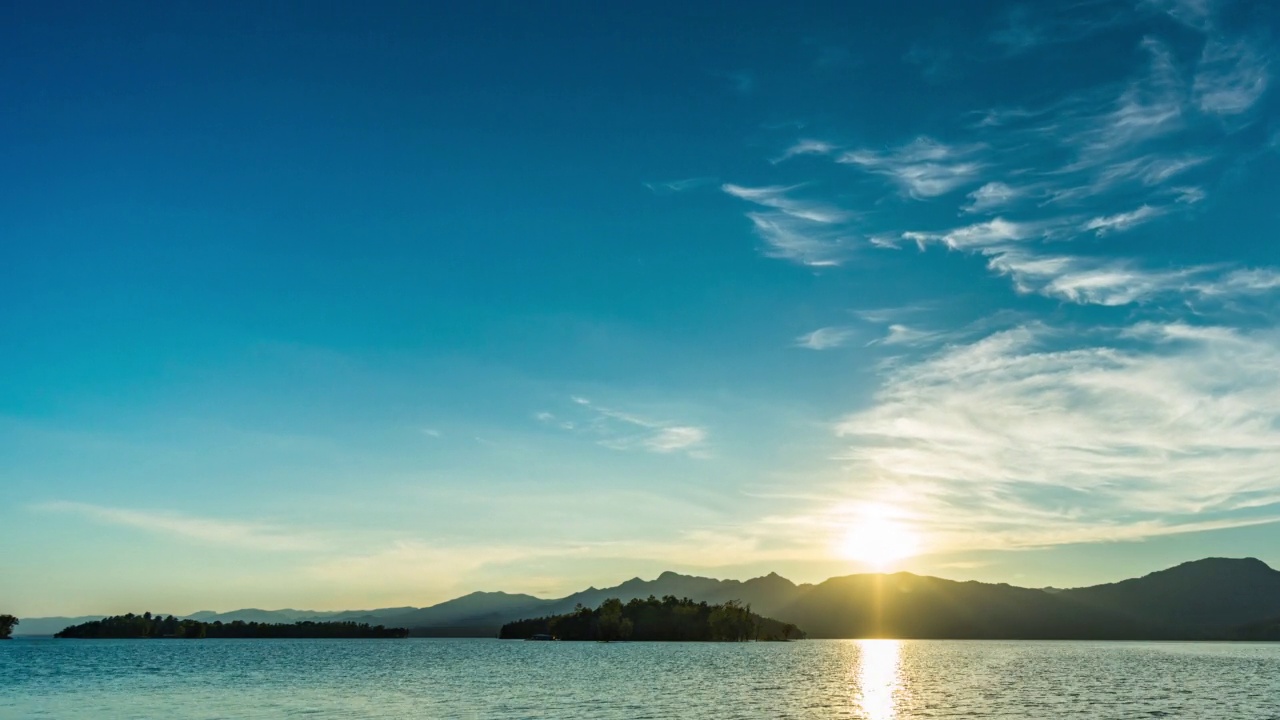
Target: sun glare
<point>877,540</point>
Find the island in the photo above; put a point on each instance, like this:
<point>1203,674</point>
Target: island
<point>148,626</point>
<point>667,619</point>
<point>7,623</point>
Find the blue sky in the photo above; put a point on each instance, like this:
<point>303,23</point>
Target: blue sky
<point>341,307</point>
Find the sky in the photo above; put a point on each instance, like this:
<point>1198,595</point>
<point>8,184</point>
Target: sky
<point>333,307</point>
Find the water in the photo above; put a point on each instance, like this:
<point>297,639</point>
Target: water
<point>419,678</point>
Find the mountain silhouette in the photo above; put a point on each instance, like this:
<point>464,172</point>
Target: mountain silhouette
<point>1214,594</point>
<point>1213,598</point>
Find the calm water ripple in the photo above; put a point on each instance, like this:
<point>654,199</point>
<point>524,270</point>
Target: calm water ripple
<point>869,679</point>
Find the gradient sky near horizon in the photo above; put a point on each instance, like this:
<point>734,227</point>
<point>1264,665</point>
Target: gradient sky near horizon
<point>329,306</point>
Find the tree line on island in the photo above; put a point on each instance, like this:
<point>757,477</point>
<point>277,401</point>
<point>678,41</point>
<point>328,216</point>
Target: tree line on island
<point>651,619</point>
<point>7,623</point>
<point>147,625</point>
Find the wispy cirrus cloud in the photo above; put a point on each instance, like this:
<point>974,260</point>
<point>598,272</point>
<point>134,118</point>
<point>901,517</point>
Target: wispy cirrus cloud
<point>826,338</point>
<point>1197,14</point>
<point>1123,220</point>
<point>995,233</point>
<point>1027,27</point>
<point>669,187</point>
<point>1241,282</point>
<point>899,334</point>
<point>1153,426</point>
<point>1094,164</point>
<point>923,168</point>
<point>622,430</point>
<point>1090,280</point>
<point>1148,107</point>
<point>801,241</point>
<point>779,198</point>
<point>1231,76</point>
<point>1049,433</point>
<point>803,231</point>
<point>805,146</point>
<point>994,195</point>
<point>210,531</point>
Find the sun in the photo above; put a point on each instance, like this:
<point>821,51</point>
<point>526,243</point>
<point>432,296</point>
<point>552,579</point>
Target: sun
<point>874,538</point>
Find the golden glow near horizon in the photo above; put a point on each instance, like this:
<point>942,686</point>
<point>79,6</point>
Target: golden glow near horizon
<point>878,678</point>
<point>878,540</point>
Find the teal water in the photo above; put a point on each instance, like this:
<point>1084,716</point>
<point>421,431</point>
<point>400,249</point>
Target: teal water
<point>419,678</point>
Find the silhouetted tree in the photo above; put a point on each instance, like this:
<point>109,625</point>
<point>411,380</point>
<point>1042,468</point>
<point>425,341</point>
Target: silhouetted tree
<point>609,620</point>
<point>139,626</point>
<point>7,623</point>
<point>667,619</point>
<point>732,621</point>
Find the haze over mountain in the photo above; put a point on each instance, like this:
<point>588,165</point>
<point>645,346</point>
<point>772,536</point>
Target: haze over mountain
<point>1210,598</point>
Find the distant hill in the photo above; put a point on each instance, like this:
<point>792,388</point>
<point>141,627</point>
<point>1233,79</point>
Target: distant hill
<point>764,593</point>
<point>49,625</point>
<point>261,616</point>
<point>478,608</point>
<point>1214,598</point>
<point>904,605</point>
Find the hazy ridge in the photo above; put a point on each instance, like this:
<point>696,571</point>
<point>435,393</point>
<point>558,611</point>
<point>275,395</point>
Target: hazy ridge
<point>1213,598</point>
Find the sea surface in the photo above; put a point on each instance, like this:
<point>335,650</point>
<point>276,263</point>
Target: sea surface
<point>428,678</point>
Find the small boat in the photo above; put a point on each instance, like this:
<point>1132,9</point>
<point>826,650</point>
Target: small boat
<point>541,636</point>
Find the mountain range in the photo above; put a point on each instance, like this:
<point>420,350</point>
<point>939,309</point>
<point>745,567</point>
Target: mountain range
<point>1213,598</point>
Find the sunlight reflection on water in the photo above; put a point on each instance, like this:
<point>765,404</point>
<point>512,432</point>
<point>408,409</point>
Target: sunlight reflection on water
<point>509,680</point>
<point>879,679</point>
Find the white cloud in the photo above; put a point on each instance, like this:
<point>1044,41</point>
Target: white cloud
<point>678,186</point>
<point>1112,138</point>
<point>776,197</point>
<point>210,531</point>
<point>996,232</point>
<point>1163,428</point>
<point>678,437</point>
<point>1188,195</point>
<point>889,315</point>
<point>621,430</point>
<point>1001,116</point>
<point>1123,221</point>
<point>1230,78</point>
<point>826,338</point>
<point>1030,437</point>
<point>1236,283</point>
<point>1026,27</point>
<point>1149,170</point>
<point>1122,281</point>
<point>904,335</point>
<point>803,231</point>
<point>801,241</point>
<point>806,147</point>
<point>923,168</point>
<point>1085,280</point>
<point>1149,107</point>
<point>991,196</point>
<point>1197,14</point>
